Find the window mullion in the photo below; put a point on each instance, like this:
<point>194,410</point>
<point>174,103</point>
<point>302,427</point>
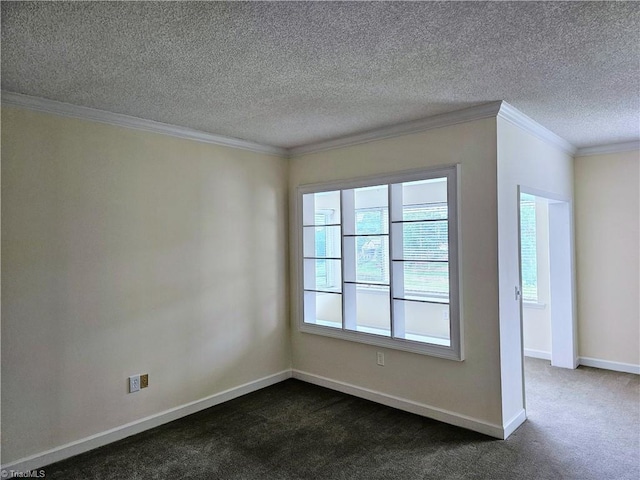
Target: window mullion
<point>348,221</point>
<point>395,242</point>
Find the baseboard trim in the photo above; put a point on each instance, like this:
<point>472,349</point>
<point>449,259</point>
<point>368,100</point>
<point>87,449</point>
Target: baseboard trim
<point>608,365</point>
<point>517,420</point>
<point>48,457</point>
<point>529,352</point>
<point>435,413</point>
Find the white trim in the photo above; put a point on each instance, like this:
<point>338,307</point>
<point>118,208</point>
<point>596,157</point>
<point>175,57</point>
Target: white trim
<point>608,148</point>
<point>75,111</point>
<point>521,120</point>
<point>517,420</point>
<point>435,413</point>
<point>609,365</point>
<point>103,438</point>
<point>487,110</point>
<point>529,352</point>
<point>478,112</point>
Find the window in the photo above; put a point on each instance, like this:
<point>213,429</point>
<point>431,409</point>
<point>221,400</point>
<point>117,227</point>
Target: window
<point>528,249</point>
<point>379,261</point>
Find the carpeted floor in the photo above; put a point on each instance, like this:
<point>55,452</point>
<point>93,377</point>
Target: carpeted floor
<point>582,424</point>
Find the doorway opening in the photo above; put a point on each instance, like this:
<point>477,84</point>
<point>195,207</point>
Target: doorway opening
<point>547,312</point>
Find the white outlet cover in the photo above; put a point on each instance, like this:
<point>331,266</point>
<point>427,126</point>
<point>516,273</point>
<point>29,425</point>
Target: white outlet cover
<point>134,383</point>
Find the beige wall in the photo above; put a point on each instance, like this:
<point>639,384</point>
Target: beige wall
<point>471,387</point>
<point>127,252</point>
<point>607,243</point>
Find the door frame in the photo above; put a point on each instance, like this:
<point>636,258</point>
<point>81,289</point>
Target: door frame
<point>562,303</point>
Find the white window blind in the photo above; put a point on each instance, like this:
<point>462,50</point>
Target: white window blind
<point>528,248</point>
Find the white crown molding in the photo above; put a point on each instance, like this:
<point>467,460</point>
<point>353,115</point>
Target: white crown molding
<point>486,110</point>
<point>499,108</point>
<point>86,113</point>
<point>609,148</point>
<point>521,120</point>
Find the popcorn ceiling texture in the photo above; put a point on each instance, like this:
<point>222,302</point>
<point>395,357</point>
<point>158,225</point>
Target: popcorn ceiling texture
<point>290,74</point>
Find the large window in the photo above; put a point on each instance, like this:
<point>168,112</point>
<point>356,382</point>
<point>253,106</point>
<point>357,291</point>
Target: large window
<point>379,261</point>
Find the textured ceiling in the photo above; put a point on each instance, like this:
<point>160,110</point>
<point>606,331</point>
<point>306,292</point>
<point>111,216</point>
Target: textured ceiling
<point>290,74</point>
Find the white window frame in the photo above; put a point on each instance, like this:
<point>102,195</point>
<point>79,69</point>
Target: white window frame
<point>455,350</point>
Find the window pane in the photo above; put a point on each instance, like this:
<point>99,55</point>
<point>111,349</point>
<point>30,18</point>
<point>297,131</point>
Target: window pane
<point>371,210</point>
<point>368,309</point>
<point>424,200</point>
<point>321,208</point>
<point>371,256</point>
<point>322,242</point>
<point>365,210</point>
<point>372,221</point>
<point>421,240</point>
<point>322,275</point>
<point>323,309</point>
<point>424,322</point>
<point>421,279</point>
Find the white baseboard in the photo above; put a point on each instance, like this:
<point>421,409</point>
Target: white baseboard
<point>608,365</point>
<point>517,420</point>
<point>413,407</point>
<point>529,352</point>
<point>42,459</point>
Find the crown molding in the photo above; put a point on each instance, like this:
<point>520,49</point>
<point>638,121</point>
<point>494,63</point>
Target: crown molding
<point>85,113</point>
<point>609,148</point>
<point>493,109</point>
<point>478,112</point>
<point>515,116</point>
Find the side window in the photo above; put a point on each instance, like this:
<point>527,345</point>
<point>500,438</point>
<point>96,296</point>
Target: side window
<point>529,257</point>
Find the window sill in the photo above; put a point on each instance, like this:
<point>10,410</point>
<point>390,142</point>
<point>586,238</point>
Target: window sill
<point>407,345</point>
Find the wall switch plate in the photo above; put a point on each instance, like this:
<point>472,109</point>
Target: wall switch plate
<point>134,383</point>
<point>381,359</point>
<point>144,380</point>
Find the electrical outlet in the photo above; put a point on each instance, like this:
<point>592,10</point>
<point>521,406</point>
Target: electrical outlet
<point>445,315</point>
<point>381,359</point>
<point>144,380</point>
<point>134,383</point>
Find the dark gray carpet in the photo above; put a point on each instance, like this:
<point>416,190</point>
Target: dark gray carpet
<point>583,424</point>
